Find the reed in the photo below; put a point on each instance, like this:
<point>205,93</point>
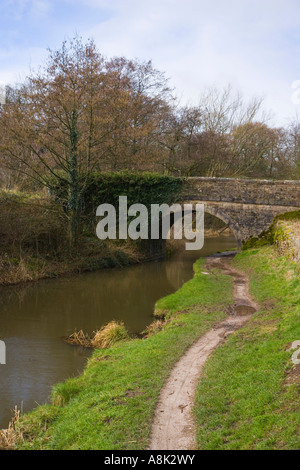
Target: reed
<point>109,334</point>
<point>104,338</point>
<point>12,435</point>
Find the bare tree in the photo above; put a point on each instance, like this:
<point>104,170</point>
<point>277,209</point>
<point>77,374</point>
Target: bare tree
<point>59,122</point>
<point>293,136</point>
<point>140,100</point>
<point>179,140</point>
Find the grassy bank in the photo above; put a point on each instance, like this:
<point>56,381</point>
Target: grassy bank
<point>112,404</point>
<point>34,242</point>
<point>34,239</point>
<point>249,395</point>
<point>40,236</point>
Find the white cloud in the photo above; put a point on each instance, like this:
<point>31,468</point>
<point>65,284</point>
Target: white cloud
<point>250,44</point>
<point>20,64</point>
<point>40,8</point>
<point>35,9</point>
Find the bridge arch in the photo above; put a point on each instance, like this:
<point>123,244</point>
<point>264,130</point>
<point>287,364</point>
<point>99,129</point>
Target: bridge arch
<point>231,224</point>
<point>215,211</point>
<point>247,206</point>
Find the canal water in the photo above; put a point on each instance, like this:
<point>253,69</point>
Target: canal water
<point>35,318</point>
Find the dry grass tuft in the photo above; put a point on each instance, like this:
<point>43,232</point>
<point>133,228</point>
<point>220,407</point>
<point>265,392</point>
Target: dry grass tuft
<point>154,328</point>
<point>109,335</point>
<point>10,436</point>
<point>293,376</point>
<point>79,339</point>
<point>104,338</point>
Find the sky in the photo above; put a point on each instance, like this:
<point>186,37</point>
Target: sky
<point>254,45</point>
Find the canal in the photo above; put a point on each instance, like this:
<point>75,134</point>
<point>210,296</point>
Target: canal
<point>36,317</point>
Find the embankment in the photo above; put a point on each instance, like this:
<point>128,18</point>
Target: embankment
<point>248,395</point>
<point>111,405</point>
<point>34,243</point>
<point>173,426</point>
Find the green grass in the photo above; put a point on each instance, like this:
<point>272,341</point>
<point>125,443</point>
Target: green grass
<point>111,405</point>
<point>192,293</point>
<point>249,395</point>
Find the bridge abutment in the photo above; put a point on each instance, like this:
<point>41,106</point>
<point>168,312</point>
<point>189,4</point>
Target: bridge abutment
<point>248,207</point>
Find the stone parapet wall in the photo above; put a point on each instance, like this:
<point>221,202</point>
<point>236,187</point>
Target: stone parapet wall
<point>247,206</point>
<point>246,191</point>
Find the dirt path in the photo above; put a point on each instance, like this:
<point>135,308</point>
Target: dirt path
<point>173,426</point>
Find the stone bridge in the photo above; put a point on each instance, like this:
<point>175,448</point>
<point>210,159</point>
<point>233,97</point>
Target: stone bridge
<point>247,206</point>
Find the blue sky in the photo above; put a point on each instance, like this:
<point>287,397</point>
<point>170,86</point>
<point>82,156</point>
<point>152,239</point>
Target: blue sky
<point>254,45</point>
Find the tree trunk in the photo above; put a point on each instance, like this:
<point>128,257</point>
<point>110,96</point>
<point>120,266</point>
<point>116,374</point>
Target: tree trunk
<point>74,190</point>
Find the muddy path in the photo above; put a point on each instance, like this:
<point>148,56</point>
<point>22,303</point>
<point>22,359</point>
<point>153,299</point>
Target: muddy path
<point>173,425</point>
